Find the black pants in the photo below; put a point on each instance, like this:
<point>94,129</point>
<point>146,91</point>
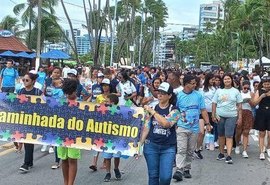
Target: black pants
<point>29,154</point>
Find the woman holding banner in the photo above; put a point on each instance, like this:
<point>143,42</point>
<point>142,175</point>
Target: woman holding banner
<point>29,80</point>
<point>159,137</point>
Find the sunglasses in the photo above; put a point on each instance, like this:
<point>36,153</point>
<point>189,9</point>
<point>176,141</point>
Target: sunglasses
<point>25,80</point>
<point>245,88</point>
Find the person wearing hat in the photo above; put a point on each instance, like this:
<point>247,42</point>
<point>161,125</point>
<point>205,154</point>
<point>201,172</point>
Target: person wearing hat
<point>191,104</point>
<point>81,92</point>
<point>106,90</point>
<point>101,98</point>
<point>159,136</point>
<point>97,88</point>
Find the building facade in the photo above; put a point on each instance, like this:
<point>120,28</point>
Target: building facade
<point>165,50</point>
<point>210,14</point>
<point>189,33</point>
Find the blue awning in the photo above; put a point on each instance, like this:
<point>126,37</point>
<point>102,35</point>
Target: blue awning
<point>23,54</point>
<point>8,54</point>
<point>55,54</point>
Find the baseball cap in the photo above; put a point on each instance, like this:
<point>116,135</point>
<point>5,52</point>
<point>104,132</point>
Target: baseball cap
<point>105,81</point>
<point>165,87</point>
<point>72,71</point>
<point>100,74</point>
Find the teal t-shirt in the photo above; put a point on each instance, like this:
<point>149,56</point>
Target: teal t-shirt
<point>190,106</point>
<point>226,100</point>
<point>9,76</point>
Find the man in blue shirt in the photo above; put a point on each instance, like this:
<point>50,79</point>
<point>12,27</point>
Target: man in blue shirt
<point>8,76</point>
<point>191,104</point>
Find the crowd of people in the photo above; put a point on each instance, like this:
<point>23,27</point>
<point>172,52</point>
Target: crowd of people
<point>182,106</point>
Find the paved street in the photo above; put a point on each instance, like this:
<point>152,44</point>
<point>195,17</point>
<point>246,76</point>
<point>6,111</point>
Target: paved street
<point>208,171</point>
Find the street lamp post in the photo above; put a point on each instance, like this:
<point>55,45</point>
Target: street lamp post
<point>38,36</point>
<point>113,33</point>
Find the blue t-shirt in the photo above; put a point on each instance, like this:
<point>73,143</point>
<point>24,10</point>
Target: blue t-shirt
<point>157,133</point>
<point>9,76</point>
<point>57,93</point>
<point>96,90</point>
<point>41,78</point>
<point>190,106</point>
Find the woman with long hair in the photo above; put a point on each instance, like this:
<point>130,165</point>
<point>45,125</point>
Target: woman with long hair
<point>29,81</point>
<point>262,118</point>
<point>247,120</point>
<point>227,113</point>
<point>159,137</point>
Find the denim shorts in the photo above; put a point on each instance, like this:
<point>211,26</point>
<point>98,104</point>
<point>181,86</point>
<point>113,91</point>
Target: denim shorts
<point>110,155</point>
<point>226,126</point>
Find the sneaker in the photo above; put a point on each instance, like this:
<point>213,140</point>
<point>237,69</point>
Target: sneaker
<point>268,152</point>
<point>220,157</point>
<point>262,156</point>
<point>229,160</point>
<point>117,174</point>
<point>237,150</point>
<point>51,150</point>
<point>43,148</point>
<point>244,154</point>
<point>55,166</point>
<point>107,177</point>
<point>201,148</point>
<point>178,176</point>
<point>216,145</point>
<point>198,154</point>
<point>24,168</point>
<point>186,174</point>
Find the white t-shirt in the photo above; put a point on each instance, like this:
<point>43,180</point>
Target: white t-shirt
<point>126,88</point>
<point>65,71</point>
<point>208,97</point>
<point>177,90</point>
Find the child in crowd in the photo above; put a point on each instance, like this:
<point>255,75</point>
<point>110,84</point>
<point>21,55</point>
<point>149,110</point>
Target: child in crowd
<point>113,100</point>
<point>57,93</point>
<point>69,156</point>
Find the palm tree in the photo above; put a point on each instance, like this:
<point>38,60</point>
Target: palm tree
<point>29,15</point>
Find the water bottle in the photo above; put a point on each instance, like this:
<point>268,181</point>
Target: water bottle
<point>207,140</point>
<point>211,142</point>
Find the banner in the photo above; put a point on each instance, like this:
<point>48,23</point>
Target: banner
<point>61,122</point>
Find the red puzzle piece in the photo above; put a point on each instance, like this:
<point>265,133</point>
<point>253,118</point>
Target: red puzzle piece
<point>22,98</point>
<point>102,108</point>
<point>17,135</point>
<point>68,142</point>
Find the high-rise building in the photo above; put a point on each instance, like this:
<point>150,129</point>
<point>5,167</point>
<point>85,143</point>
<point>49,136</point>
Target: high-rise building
<point>210,14</point>
<point>166,47</point>
<point>189,33</point>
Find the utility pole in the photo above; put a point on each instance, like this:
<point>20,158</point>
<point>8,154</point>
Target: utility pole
<point>38,36</point>
<point>154,42</point>
<point>113,33</point>
<point>141,36</point>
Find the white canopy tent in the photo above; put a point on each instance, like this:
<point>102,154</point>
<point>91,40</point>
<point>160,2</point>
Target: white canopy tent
<point>264,61</point>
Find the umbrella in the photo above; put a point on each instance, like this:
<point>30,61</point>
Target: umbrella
<point>55,54</point>
<point>32,55</point>
<point>8,54</point>
<point>23,54</point>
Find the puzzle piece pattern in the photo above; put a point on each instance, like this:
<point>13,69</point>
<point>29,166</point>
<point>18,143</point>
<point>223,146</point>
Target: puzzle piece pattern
<point>112,146</point>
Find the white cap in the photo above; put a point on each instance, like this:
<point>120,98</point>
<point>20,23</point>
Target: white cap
<point>100,74</point>
<point>165,87</point>
<point>33,71</point>
<point>72,71</point>
<point>105,81</point>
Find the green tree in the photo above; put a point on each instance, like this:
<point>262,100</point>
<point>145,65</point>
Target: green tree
<point>29,15</point>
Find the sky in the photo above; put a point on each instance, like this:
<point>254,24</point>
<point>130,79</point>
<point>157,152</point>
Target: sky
<point>180,12</point>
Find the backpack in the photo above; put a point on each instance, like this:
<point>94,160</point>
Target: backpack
<point>3,70</point>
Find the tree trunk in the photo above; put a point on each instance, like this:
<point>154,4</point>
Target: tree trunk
<point>71,29</point>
